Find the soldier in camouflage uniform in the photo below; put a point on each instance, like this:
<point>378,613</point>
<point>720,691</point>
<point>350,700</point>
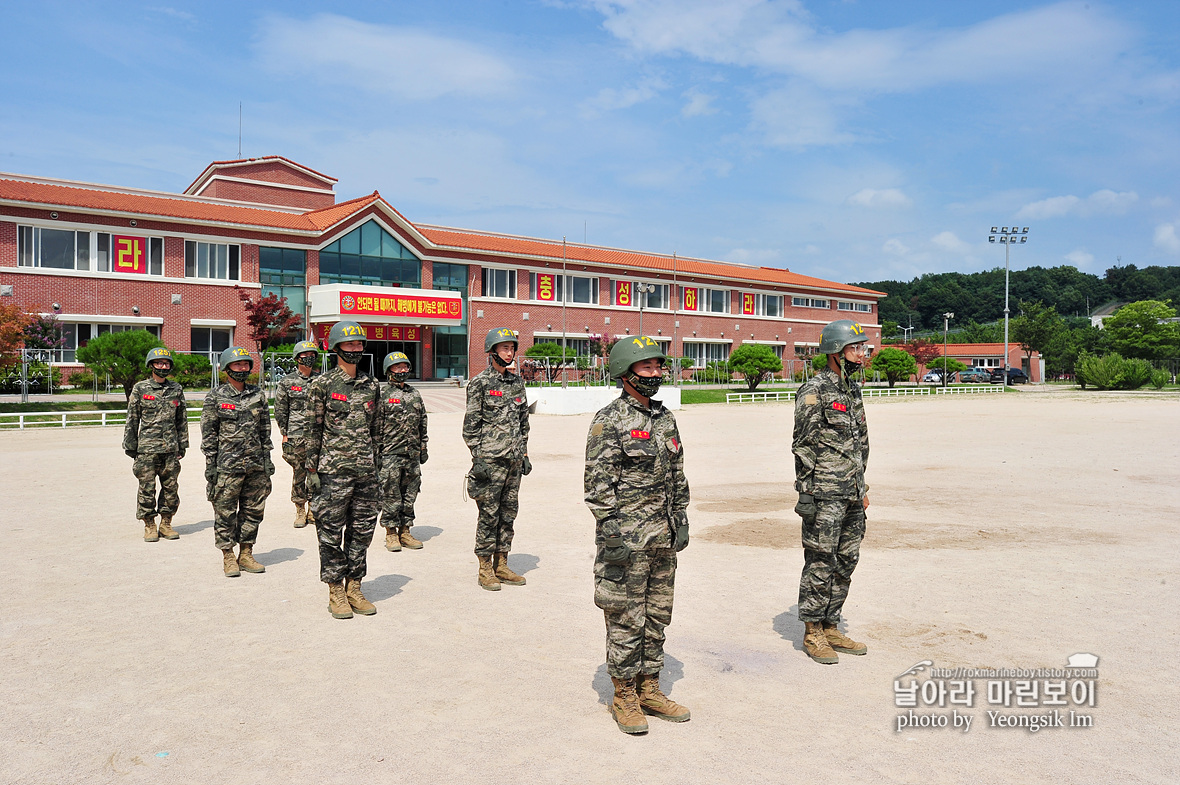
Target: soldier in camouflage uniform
<point>403,451</point>
<point>496,430</point>
<point>831,447</point>
<point>636,488</point>
<point>343,433</point>
<point>291,415</point>
<point>235,437</point>
<point>156,438</point>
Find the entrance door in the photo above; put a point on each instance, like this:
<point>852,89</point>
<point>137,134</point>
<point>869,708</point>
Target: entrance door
<point>378,350</point>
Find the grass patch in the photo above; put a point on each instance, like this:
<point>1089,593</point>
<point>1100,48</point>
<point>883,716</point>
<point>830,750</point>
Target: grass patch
<point>62,406</point>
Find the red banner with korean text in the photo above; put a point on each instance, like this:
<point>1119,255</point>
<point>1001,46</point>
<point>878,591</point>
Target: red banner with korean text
<point>691,295</point>
<point>404,305</point>
<point>129,254</point>
<point>378,332</point>
<point>747,303</point>
<point>623,293</point>
<point>546,287</point>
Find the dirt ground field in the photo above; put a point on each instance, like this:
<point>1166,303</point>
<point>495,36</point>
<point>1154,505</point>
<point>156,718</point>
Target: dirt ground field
<point>1005,531</point>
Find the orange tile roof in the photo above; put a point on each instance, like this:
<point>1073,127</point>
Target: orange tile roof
<point>547,249</point>
<point>263,159</point>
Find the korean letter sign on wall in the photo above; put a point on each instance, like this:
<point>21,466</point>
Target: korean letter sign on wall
<point>546,287</point>
<point>623,293</point>
<point>130,254</point>
<point>690,298</point>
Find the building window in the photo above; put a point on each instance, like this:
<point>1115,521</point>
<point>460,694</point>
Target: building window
<point>283,272</point>
<point>715,301</point>
<point>809,302</point>
<point>843,305</point>
<point>704,353</point>
<point>60,249</point>
<point>218,261</point>
<point>499,283</point>
<point>75,336</point>
<point>762,304</point>
<point>370,256</point>
<point>552,287</point>
<point>452,277</point>
<point>985,362</point>
<point>626,293</point>
<point>803,351</point>
<point>210,340</point>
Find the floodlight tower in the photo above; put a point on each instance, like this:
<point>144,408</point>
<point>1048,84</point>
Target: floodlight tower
<point>1007,236</point>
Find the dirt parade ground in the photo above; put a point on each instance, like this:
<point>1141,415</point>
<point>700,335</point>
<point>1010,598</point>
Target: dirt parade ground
<point>1005,532</point>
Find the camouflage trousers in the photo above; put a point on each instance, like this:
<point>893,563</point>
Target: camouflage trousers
<point>636,600</point>
<point>345,516</point>
<point>297,457</point>
<point>498,499</point>
<point>238,503</point>
<point>831,549</point>
<point>149,466</point>
<point>401,479</point>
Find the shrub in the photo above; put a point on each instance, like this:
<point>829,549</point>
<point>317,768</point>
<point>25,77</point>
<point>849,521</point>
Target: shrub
<point>1159,377</point>
<point>1113,372</point>
<point>193,370</point>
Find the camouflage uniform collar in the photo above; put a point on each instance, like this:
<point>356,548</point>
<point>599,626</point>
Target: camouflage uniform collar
<point>341,376</point>
<point>655,406</point>
<point>229,389</point>
<point>836,378</point>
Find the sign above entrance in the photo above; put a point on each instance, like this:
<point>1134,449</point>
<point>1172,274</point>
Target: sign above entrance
<point>379,332</point>
<point>353,303</point>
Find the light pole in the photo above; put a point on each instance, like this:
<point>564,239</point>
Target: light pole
<point>1008,237</point>
<point>642,289</point>
<point>946,320</point>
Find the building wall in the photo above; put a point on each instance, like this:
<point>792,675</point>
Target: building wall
<point>260,193</point>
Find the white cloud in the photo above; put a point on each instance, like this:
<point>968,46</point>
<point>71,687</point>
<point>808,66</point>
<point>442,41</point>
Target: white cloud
<point>1079,258</point>
<point>797,117</point>
<point>1166,239</point>
<point>609,99</point>
<point>1104,202</point>
<point>895,247</point>
<point>949,241</point>
<point>406,62</point>
<point>699,103</point>
<point>885,198</point>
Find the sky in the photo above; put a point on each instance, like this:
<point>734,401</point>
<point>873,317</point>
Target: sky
<point>853,140</point>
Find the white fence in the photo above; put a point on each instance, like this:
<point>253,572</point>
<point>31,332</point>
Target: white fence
<point>22,420</point>
<point>895,392</point>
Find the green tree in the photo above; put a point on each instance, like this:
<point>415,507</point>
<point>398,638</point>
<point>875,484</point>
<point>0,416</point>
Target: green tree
<point>553,352</point>
<point>119,355</point>
<point>1035,328</point>
<point>974,332</point>
<point>945,366</point>
<point>1139,330</point>
<point>44,332</point>
<point>756,362</point>
<point>894,364</point>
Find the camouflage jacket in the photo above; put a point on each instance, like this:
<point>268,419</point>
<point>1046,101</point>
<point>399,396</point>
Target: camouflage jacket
<point>831,442</point>
<point>635,473</point>
<point>344,424</point>
<point>157,419</point>
<point>291,404</point>
<point>235,429</point>
<point>403,422</point>
<point>496,424</point>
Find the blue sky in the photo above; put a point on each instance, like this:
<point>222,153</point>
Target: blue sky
<point>848,140</point>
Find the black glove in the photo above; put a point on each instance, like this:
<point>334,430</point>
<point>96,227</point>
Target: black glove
<point>480,471</point>
<point>527,466</point>
<point>614,550</point>
<point>681,537</point>
<point>312,483</point>
<point>422,456</point>
<point>131,454</point>
<point>211,472</point>
<point>268,464</point>
<point>180,453</point>
<point>210,490</point>
<point>805,507</point>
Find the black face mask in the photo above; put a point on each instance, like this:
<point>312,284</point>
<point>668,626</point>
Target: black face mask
<point>163,373</point>
<point>399,377</point>
<point>499,362</point>
<point>238,376</point>
<point>352,358</point>
<point>306,360</point>
<point>647,386</point>
<point>851,367</point>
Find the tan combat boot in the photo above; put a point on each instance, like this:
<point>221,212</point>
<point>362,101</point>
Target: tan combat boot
<point>338,602</point>
<point>815,643</point>
<point>392,541</point>
<point>300,516</point>
<point>310,515</point>
<point>247,561</point>
<point>409,540</point>
<point>230,563</point>
<point>356,599</point>
<point>149,529</point>
<point>625,707</point>
<point>505,575</point>
<point>841,642</point>
<point>655,702</point>
<point>487,576</point>
<point>166,530</point>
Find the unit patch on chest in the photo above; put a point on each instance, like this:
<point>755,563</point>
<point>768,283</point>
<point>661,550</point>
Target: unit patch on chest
<point>839,406</point>
<point>638,434</point>
<point>339,397</point>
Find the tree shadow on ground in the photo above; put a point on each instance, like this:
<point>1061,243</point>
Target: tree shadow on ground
<point>520,563</point>
<point>425,533</point>
<point>192,528</point>
<point>384,586</point>
<point>673,672</point>
<point>278,556</point>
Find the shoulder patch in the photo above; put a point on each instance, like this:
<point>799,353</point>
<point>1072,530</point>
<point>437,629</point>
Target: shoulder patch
<point>811,399</point>
<point>596,429</point>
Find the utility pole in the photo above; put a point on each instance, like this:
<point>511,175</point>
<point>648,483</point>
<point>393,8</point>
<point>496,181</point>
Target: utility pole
<point>1007,237</point>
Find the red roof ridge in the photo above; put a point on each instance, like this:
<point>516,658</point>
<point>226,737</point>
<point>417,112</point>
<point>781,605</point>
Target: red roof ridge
<point>244,161</point>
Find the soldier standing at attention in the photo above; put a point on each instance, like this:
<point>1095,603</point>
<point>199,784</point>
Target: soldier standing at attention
<point>291,415</point>
<point>344,426</point>
<point>831,446</point>
<point>636,488</point>
<point>156,438</point>
<point>235,437</point>
<point>403,451</point>
<point>496,430</point>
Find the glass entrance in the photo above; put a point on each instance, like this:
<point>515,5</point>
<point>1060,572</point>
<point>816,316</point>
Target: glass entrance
<point>378,349</point>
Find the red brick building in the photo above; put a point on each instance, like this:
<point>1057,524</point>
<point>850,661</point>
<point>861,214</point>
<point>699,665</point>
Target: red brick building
<point>106,258</point>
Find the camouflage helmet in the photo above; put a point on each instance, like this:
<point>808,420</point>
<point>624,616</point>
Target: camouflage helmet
<point>159,353</point>
<point>839,334</point>
<point>232,355</point>
<point>392,359</point>
<point>303,347</point>
<point>343,332</point>
<point>629,351</point>
<point>500,335</point>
